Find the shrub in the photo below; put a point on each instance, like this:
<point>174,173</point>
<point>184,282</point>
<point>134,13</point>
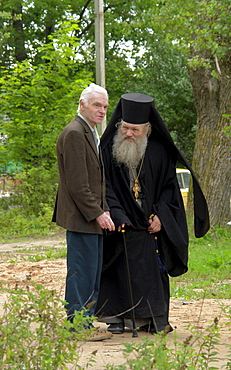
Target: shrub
<point>159,354</point>
<point>34,331</point>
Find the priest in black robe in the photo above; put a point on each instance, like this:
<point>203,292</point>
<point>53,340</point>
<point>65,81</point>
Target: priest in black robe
<point>147,208</point>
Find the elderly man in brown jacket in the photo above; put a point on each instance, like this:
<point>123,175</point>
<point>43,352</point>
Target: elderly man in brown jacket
<point>81,207</point>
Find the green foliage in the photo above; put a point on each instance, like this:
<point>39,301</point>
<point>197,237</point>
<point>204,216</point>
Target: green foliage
<point>29,209</point>
<point>40,100</point>
<point>159,354</point>
<point>34,331</point>
<point>201,25</point>
<point>16,224</point>
<point>35,22</point>
<point>162,73</point>
<point>127,37</point>
<point>37,190</point>
<point>227,130</point>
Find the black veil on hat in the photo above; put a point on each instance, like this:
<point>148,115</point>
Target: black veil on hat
<point>139,108</point>
<point>136,109</point>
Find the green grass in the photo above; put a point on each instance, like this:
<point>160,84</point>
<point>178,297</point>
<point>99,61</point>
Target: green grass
<point>35,254</point>
<point>209,273</point>
<point>16,226</point>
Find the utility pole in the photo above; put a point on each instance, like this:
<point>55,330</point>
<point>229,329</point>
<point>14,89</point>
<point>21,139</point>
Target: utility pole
<point>100,52</point>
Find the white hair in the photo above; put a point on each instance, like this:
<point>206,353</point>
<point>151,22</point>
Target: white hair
<point>88,91</point>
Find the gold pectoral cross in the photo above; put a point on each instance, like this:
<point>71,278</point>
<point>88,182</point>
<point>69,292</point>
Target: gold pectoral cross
<point>136,188</point>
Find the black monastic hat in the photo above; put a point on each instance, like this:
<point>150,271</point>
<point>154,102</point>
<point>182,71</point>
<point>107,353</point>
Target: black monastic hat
<point>136,108</point>
<point>139,108</point>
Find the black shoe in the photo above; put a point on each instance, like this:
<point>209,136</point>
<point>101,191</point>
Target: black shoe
<point>116,328</point>
<point>149,328</point>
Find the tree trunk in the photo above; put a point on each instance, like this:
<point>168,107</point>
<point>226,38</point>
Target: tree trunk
<point>20,51</point>
<point>211,159</point>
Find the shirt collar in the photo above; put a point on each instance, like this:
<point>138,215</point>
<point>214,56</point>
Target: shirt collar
<point>93,130</point>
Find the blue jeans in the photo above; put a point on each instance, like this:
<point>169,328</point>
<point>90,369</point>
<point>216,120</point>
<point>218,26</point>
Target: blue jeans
<point>84,266</point>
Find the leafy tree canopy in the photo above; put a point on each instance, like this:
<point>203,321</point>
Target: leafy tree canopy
<point>39,100</point>
<point>137,57</point>
<point>150,47</point>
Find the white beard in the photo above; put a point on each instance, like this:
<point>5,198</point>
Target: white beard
<point>128,152</point>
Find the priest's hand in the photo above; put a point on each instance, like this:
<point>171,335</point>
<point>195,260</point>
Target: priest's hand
<point>122,226</point>
<point>154,225</point>
<point>105,221</point>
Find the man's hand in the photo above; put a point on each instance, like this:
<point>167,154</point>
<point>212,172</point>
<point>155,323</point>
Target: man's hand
<point>154,225</point>
<point>105,221</point>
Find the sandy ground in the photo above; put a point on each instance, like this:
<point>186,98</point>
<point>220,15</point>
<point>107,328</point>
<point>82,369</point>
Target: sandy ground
<point>51,274</point>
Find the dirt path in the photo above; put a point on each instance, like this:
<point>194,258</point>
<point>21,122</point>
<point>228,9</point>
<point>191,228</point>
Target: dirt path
<point>51,274</point>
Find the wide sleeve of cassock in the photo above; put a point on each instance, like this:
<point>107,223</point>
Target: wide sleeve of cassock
<point>168,205</point>
<point>117,212</point>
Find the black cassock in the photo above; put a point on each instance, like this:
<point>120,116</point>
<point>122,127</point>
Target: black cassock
<point>160,195</point>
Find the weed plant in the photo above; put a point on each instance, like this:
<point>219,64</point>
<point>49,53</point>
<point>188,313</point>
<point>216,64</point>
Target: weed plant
<point>34,331</point>
<point>34,335</point>
<point>198,352</point>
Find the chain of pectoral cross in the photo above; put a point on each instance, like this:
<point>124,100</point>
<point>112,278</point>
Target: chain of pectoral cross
<point>136,188</point>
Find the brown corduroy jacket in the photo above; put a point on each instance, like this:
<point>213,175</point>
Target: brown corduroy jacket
<point>81,191</point>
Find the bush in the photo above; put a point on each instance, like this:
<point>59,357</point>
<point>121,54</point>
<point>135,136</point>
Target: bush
<point>198,352</point>
<point>34,331</point>
<point>37,190</point>
<point>28,210</point>
<point>15,224</point>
